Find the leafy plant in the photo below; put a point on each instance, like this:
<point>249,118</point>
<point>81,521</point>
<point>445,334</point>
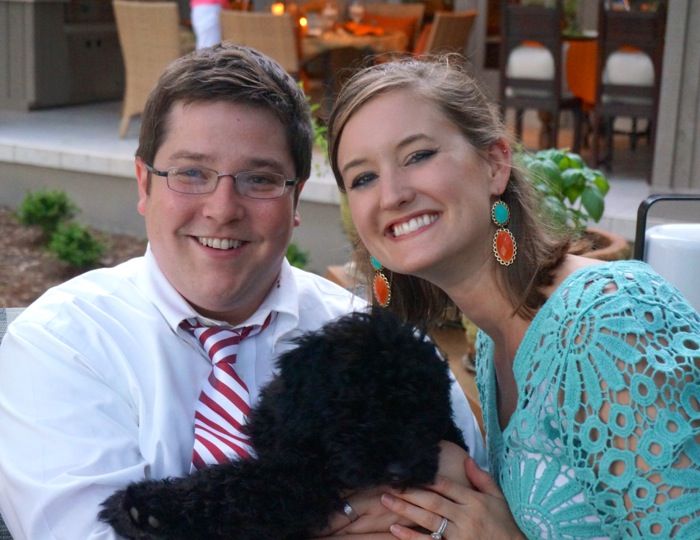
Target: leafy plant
<point>573,193</point>
<point>320,129</point>
<point>47,209</point>
<point>74,243</point>
<point>296,256</point>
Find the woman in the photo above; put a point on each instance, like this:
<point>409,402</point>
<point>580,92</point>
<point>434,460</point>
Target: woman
<point>205,16</point>
<point>588,372</point>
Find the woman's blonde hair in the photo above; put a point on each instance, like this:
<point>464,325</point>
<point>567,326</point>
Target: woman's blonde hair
<point>444,81</point>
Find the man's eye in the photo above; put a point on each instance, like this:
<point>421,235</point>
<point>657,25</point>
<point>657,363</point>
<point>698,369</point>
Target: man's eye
<point>262,179</point>
<point>421,155</point>
<point>190,175</point>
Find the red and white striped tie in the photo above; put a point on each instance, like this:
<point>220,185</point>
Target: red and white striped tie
<point>224,402</point>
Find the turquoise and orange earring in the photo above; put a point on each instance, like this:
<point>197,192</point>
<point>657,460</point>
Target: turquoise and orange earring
<point>504,246</point>
<point>381,286</point>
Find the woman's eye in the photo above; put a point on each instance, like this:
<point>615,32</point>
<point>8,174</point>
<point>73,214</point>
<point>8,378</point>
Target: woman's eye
<point>421,155</point>
<point>362,180</point>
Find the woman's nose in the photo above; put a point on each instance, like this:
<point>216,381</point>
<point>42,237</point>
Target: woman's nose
<point>394,190</point>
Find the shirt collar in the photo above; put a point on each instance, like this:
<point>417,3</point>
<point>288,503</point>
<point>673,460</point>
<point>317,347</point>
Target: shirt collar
<point>282,298</point>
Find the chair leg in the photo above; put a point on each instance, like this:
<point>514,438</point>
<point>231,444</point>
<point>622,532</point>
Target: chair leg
<point>124,125</point>
<point>578,130</point>
<point>609,142</point>
<point>519,125</point>
<point>595,142</point>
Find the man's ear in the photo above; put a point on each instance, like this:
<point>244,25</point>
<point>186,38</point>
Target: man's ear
<point>143,185</point>
<point>297,194</point>
<point>500,159</point>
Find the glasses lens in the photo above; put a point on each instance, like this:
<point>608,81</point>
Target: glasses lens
<point>260,185</point>
<point>192,180</point>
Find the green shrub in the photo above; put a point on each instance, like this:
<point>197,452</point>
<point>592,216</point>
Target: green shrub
<point>297,257</point>
<point>74,243</point>
<point>47,209</point>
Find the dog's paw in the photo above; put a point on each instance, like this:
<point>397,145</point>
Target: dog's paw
<point>131,514</point>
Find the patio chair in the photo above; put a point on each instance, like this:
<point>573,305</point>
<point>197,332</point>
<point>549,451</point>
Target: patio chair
<point>448,32</point>
<point>273,35</point>
<point>531,69</point>
<point>671,246</point>
<point>7,315</point>
<point>397,16</point>
<point>149,37</point>
<point>630,58</point>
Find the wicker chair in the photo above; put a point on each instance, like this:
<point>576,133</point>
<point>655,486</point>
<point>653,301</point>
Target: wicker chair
<point>448,32</point>
<point>149,36</point>
<point>7,315</point>
<point>270,34</point>
<point>386,11</point>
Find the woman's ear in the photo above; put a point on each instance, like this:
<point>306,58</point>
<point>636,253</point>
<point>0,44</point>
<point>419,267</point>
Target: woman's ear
<point>499,158</point>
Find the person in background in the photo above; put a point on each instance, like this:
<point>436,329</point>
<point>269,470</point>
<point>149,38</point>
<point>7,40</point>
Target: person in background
<point>115,376</point>
<point>588,372</point>
<point>206,23</point>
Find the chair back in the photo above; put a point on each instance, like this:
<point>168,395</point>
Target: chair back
<point>672,244</point>
<point>386,10</point>
<point>149,37</point>
<point>450,31</point>
<point>628,73</point>
<point>532,62</point>
<point>7,315</point>
<point>273,35</point>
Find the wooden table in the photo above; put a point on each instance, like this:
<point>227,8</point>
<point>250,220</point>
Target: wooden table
<point>389,41</point>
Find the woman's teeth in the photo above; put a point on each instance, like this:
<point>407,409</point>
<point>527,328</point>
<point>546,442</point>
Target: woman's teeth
<point>413,225</point>
<point>219,243</point>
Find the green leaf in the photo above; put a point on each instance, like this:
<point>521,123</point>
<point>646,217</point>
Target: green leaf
<point>593,202</point>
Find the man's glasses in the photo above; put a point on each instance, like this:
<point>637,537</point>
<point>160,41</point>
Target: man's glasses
<point>199,181</point>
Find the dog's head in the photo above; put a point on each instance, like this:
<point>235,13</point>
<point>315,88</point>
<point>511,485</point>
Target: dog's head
<point>368,396</point>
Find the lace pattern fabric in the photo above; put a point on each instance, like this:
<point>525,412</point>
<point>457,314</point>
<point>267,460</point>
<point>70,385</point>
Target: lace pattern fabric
<point>605,439</point>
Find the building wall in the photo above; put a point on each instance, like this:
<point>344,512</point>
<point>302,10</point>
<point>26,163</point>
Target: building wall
<point>677,154</point>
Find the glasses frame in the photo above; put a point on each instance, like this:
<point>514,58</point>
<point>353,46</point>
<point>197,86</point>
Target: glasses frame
<point>165,174</point>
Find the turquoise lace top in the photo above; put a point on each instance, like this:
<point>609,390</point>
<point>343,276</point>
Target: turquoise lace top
<point>605,438</point>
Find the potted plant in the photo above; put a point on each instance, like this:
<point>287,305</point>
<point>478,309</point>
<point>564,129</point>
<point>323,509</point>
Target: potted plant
<point>574,197</point>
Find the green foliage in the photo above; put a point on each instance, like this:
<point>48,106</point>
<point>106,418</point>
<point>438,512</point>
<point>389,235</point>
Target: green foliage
<point>573,194</point>
<point>47,209</point>
<point>320,129</point>
<point>74,243</point>
<point>297,257</point>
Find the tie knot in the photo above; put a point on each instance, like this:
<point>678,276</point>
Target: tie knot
<point>221,342</point>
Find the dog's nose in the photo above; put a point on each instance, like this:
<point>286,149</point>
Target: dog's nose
<point>397,472</point>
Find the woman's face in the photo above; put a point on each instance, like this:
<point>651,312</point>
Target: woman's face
<point>419,193</point>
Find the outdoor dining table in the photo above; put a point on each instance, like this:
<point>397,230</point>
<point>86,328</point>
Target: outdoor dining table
<point>380,41</point>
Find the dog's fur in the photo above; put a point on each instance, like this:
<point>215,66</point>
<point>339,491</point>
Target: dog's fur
<point>363,402</point>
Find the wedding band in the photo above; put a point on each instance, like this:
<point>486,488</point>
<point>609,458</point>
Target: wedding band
<point>350,512</point>
<point>437,535</point>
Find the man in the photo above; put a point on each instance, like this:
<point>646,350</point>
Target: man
<point>101,377</point>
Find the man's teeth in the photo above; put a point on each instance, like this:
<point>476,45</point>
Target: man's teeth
<point>219,243</point>
<point>413,225</point>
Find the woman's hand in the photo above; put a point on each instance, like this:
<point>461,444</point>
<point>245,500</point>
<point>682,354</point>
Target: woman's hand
<point>374,518</point>
<point>480,511</point>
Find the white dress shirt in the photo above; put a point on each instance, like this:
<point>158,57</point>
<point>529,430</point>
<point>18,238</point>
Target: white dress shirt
<point>98,386</point>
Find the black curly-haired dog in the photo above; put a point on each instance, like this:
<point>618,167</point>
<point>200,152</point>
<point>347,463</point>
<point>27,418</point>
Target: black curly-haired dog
<point>362,402</point>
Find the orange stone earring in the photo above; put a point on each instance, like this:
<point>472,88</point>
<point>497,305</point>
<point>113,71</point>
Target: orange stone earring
<point>504,247</point>
<point>381,286</point>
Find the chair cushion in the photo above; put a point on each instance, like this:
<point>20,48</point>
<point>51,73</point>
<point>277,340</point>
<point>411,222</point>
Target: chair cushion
<point>533,62</point>
<point>407,25</point>
<point>629,67</point>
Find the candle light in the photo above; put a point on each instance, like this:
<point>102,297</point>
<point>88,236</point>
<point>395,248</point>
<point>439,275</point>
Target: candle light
<point>277,8</point>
